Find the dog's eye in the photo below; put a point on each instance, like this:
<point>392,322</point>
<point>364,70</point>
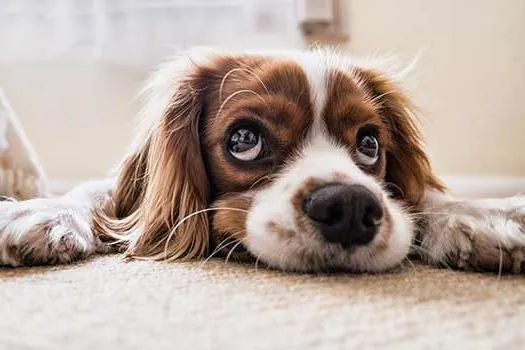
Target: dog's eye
<point>368,150</point>
<point>245,144</point>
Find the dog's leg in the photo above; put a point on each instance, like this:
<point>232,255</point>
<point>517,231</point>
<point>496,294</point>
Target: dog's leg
<point>487,234</point>
<point>52,230</point>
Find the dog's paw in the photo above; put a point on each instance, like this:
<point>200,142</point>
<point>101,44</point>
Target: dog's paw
<point>44,231</point>
<point>481,237</point>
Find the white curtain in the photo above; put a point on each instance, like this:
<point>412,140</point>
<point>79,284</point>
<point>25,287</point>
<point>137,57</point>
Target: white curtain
<point>140,32</point>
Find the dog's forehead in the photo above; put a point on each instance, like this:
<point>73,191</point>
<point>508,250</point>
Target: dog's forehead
<point>318,70</point>
<point>315,81</point>
<point>340,99</point>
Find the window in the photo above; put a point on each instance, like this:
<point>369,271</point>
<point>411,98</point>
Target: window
<point>141,32</point>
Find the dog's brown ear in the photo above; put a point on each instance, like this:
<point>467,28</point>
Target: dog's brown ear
<point>408,169</point>
<point>156,210</point>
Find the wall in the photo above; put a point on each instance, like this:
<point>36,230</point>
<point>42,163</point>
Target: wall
<point>470,85</point>
<point>77,114</point>
<point>470,80</point>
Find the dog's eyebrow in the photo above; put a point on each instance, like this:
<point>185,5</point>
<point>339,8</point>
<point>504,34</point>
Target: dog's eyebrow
<point>350,113</point>
<point>279,119</point>
<point>281,116</point>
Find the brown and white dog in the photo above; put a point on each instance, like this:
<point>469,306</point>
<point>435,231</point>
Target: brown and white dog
<point>302,160</point>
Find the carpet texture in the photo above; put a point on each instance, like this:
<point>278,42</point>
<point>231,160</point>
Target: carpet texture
<point>106,303</point>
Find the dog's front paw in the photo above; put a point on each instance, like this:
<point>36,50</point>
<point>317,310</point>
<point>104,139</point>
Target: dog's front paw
<point>44,231</point>
<point>477,237</point>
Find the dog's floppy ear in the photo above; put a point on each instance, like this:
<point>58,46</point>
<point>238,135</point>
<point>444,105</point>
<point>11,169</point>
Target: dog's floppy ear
<point>156,208</point>
<point>408,169</point>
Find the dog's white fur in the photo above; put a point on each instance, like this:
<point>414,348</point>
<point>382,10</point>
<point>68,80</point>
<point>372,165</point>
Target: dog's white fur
<point>58,230</point>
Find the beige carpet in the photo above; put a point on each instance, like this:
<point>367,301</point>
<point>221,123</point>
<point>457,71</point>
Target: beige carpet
<point>106,303</point>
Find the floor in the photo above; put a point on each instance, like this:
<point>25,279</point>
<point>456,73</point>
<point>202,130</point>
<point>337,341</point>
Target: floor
<point>106,303</point>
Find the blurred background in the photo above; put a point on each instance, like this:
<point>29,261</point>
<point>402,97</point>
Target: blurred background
<point>72,67</point>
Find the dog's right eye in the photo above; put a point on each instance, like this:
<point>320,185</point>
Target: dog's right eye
<point>245,144</point>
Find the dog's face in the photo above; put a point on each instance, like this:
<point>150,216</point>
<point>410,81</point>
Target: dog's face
<point>300,160</point>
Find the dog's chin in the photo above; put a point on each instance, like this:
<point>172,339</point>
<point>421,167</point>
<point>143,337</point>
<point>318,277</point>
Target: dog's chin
<point>303,249</point>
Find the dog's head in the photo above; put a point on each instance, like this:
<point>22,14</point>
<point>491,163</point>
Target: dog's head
<point>301,160</point>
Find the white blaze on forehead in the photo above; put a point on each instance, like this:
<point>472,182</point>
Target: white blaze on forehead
<point>317,66</point>
<point>315,69</point>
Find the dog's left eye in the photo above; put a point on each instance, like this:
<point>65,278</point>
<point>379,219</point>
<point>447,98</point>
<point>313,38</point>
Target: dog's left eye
<point>245,144</point>
<point>368,150</point>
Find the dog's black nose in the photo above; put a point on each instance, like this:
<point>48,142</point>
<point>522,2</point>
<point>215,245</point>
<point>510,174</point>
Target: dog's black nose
<point>346,214</point>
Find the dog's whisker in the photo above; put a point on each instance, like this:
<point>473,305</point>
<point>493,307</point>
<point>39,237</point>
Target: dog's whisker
<point>407,259</point>
<point>243,91</point>
<point>223,244</point>
<point>225,77</point>
<point>244,69</point>
<point>259,180</point>
<point>257,262</point>
<point>391,184</point>
<point>183,220</point>
<point>233,249</point>
<point>500,267</point>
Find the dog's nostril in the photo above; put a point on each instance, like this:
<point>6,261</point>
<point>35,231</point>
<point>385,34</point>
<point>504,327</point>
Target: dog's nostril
<point>373,216</point>
<point>346,214</point>
<point>326,214</point>
<point>335,214</point>
<point>325,205</point>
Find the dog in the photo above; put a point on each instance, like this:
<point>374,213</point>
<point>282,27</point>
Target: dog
<point>305,161</point>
